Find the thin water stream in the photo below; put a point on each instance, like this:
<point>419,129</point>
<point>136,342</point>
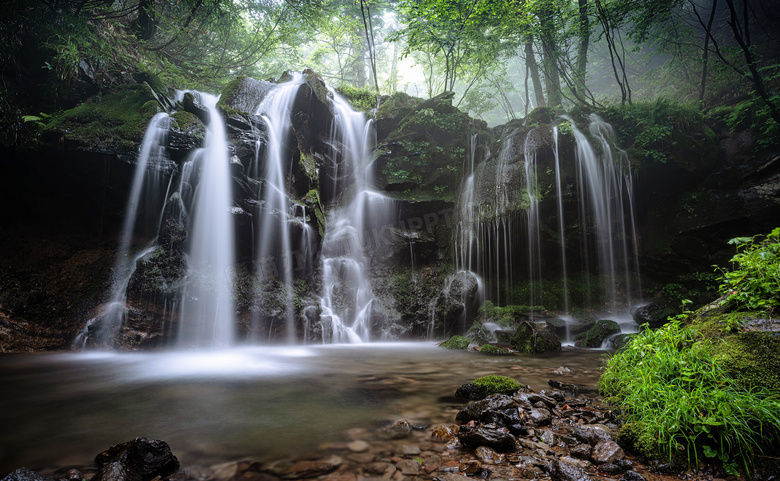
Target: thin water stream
<point>261,402</point>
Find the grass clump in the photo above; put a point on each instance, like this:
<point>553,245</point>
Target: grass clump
<point>680,402</point>
<point>754,281</point>
<point>456,343</point>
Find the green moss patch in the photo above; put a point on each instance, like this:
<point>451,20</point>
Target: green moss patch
<point>456,343</point>
<point>483,387</point>
<point>114,120</point>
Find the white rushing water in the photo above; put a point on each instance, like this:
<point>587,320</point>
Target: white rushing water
<point>274,235</point>
<point>144,194</point>
<point>347,297</point>
<point>207,309</point>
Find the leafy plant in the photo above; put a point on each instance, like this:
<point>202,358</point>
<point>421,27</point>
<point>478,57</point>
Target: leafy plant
<point>754,281</point>
<point>679,401</point>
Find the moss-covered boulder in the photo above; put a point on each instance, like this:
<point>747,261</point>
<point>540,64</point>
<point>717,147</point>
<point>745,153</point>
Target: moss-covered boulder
<point>750,344</point>
<point>113,122</point>
<point>456,343</point>
<point>423,155</point>
<point>244,94</point>
<point>494,350</point>
<point>485,386</point>
<point>597,334</point>
<point>533,338</point>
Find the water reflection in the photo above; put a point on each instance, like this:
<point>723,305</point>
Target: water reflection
<point>60,409</point>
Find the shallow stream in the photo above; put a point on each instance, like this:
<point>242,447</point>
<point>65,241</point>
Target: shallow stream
<point>260,402</point>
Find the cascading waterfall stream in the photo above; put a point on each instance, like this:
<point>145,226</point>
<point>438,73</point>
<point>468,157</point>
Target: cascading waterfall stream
<point>347,298</point>
<point>605,181</point>
<point>147,179</point>
<point>208,310</point>
<point>275,225</point>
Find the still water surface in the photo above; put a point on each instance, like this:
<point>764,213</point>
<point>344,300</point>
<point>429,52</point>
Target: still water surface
<point>260,402</point>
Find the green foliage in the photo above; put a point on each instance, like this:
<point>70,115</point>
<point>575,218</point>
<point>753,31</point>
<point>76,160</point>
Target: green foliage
<point>363,99</point>
<point>456,343</point>
<point>754,281</point>
<point>650,126</point>
<point>678,399</point>
<point>753,114</point>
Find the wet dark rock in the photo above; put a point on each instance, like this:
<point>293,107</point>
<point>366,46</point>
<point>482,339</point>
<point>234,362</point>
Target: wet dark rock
<point>471,467</point>
<point>606,452</point>
<point>24,474</point>
<point>654,314</point>
<point>116,471</point>
<point>610,469</point>
<point>632,476</point>
<point>475,410</point>
<point>563,471</point>
<point>148,457</point>
<point>581,451</point>
<point>591,434</point>
<point>193,106</point>
<point>490,435</point>
<point>565,386</point>
<point>547,436</point>
<point>599,332</point>
<point>539,416</point>
<point>557,396</point>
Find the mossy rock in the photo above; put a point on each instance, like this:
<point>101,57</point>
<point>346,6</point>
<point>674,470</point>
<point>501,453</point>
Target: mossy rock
<point>540,115</point>
<point>456,343</point>
<point>483,387</point>
<point>116,120</point>
<point>634,437</point>
<point>534,338</point>
<point>243,94</point>
<point>752,358</point>
<point>494,350</point>
<point>598,333</point>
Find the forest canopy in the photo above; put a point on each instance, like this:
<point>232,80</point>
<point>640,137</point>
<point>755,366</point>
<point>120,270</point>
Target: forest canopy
<point>500,57</point>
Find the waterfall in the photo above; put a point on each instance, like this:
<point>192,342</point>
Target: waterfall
<point>275,226</point>
<point>533,228</point>
<point>347,297</point>
<point>561,229</point>
<point>207,310</point>
<point>144,192</point>
<point>605,198</point>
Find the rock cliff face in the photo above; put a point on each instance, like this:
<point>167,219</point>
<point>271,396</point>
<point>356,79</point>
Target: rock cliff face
<point>58,243</point>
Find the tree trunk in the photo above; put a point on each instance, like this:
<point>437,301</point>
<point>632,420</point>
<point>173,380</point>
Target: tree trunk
<point>582,55</point>
<point>549,48</point>
<point>530,61</point>
<point>144,24</point>
<point>706,54</point>
<point>742,36</point>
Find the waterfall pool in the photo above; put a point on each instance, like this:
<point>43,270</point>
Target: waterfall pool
<point>257,401</point>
